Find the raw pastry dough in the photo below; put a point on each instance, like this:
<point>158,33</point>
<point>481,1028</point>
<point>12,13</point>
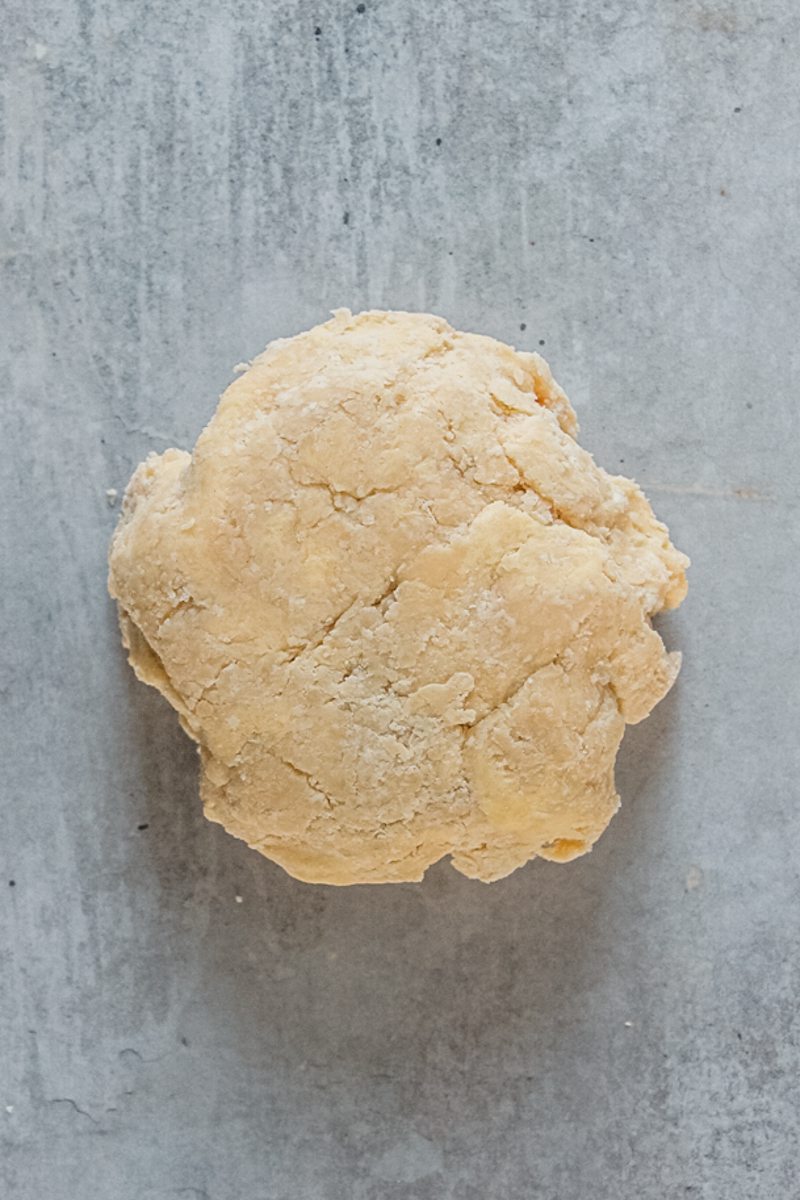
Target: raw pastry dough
<point>400,610</point>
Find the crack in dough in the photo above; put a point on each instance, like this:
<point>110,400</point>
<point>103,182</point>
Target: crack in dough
<point>401,611</point>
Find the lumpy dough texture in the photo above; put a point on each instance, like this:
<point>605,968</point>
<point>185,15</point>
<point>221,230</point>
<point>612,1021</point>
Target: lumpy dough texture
<point>400,610</point>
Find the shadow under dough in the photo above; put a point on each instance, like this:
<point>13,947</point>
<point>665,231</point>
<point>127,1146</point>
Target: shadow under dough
<point>417,990</point>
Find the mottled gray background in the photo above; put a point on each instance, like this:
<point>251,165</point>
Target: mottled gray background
<point>615,181</point>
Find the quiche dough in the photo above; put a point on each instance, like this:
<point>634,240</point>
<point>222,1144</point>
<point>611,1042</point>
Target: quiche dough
<point>400,610</point>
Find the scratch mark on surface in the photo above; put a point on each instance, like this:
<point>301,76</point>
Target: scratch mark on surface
<point>81,1111</point>
<point>696,489</point>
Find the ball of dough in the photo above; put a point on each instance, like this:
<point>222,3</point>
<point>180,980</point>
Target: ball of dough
<point>400,610</point>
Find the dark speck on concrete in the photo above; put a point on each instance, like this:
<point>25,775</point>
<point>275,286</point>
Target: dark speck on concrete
<point>360,8</point>
<point>523,326</point>
<point>144,825</point>
<point>541,341</point>
<point>317,31</point>
<point>738,108</point>
<point>438,141</point>
<point>184,1041</point>
<point>12,883</point>
<point>346,218</point>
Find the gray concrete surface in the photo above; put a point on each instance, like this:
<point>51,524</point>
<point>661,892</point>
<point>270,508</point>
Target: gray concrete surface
<point>616,182</point>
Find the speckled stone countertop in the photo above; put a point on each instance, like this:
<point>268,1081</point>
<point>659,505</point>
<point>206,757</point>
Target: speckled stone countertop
<point>614,183</point>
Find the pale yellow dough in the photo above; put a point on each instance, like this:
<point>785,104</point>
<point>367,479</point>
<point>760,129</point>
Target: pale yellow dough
<point>401,611</point>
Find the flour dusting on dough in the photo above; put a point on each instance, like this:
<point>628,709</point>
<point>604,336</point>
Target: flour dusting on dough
<point>401,611</point>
